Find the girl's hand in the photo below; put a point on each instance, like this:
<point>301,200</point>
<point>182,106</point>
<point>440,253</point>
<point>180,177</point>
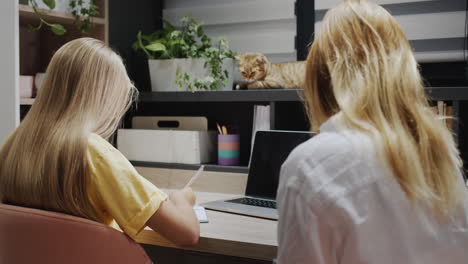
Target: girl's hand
<point>176,220</point>
<point>185,195</point>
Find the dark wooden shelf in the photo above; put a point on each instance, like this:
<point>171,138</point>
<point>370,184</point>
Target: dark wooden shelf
<point>26,12</point>
<point>223,96</point>
<point>278,95</point>
<point>280,114</point>
<point>448,93</point>
<point>27,101</point>
<point>208,167</point>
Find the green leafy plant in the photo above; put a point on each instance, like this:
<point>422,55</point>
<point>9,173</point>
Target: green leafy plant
<point>81,12</point>
<point>56,28</point>
<point>189,41</point>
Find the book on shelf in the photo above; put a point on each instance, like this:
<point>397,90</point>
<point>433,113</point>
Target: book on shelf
<point>445,111</point>
<point>261,121</point>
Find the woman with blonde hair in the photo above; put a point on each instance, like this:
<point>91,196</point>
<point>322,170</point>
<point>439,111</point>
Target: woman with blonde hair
<point>59,158</point>
<point>382,181</point>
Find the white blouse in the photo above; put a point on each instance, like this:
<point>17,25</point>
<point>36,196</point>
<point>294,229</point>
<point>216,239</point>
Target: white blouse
<point>337,204</point>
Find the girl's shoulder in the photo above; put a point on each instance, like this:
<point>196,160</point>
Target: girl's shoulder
<point>99,145</point>
<point>102,154</point>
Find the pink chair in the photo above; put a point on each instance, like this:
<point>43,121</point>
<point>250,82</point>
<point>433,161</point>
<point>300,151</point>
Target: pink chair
<point>36,236</point>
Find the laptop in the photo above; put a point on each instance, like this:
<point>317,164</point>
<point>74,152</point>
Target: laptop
<point>271,148</point>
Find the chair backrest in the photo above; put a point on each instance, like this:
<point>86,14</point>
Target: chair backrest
<point>36,236</point>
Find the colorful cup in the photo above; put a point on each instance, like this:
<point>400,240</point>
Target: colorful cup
<point>228,149</point>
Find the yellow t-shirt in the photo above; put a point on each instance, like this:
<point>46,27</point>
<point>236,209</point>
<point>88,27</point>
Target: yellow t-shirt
<point>117,191</point>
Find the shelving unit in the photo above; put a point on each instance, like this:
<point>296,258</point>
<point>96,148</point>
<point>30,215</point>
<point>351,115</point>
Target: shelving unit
<point>237,106</point>
<point>225,107</point>
<point>38,47</point>
<point>286,113</point>
<point>208,167</point>
<point>27,13</point>
<point>26,101</point>
<point>292,95</point>
<point>279,98</point>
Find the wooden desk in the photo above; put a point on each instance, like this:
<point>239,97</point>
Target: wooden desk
<point>226,234</point>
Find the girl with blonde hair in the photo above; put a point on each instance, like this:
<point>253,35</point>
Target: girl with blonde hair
<point>59,158</point>
<point>382,181</point>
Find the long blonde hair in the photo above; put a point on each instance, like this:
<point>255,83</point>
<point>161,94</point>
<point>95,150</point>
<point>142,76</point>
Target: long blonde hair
<point>362,68</point>
<point>43,164</point>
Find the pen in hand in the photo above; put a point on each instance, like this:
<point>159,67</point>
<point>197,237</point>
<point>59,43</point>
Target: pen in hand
<point>195,177</point>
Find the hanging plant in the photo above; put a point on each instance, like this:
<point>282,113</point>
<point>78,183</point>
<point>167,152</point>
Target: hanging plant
<point>56,28</point>
<point>80,9</point>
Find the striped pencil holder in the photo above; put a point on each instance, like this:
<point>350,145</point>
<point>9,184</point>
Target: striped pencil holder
<point>228,149</point>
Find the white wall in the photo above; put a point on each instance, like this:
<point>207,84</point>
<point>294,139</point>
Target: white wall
<point>267,26</point>
<point>9,68</point>
<point>326,4</point>
<point>435,28</point>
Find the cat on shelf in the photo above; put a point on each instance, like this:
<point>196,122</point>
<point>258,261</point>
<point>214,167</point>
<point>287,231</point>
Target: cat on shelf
<point>259,73</point>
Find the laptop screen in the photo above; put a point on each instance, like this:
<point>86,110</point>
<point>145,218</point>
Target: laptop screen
<point>271,148</point>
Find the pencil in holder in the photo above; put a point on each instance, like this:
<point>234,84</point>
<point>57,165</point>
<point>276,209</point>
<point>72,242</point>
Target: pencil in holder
<point>228,149</point>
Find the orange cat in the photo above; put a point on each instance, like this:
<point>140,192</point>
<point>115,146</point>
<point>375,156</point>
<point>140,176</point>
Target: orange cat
<point>259,73</point>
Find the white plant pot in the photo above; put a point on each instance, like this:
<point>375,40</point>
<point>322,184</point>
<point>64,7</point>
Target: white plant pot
<point>163,73</point>
<point>228,65</point>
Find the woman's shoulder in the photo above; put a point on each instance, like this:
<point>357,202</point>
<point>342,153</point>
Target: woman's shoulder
<point>331,165</point>
<point>324,146</point>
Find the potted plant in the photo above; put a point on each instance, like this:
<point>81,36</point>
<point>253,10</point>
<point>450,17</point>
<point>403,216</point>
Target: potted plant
<point>82,10</point>
<point>186,58</point>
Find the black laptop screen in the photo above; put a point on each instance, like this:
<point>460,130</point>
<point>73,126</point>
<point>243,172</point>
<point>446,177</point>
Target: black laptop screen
<point>271,148</point>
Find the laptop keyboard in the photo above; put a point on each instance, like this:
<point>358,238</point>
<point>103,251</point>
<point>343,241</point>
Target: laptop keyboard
<point>254,202</point>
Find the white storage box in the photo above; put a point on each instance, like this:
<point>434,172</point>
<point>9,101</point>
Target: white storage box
<point>170,146</point>
<point>198,123</point>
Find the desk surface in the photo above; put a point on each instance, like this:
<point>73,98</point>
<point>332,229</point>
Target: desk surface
<point>226,234</point>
